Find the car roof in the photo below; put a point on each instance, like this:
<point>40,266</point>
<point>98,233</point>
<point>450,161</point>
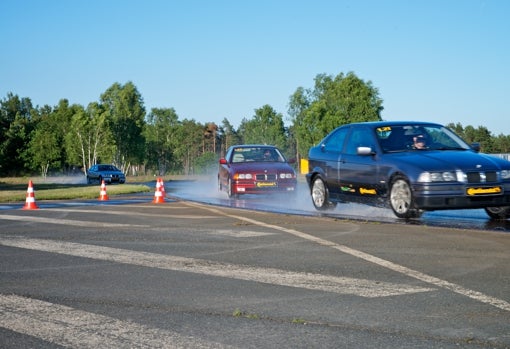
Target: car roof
<point>392,123</point>
<point>252,146</point>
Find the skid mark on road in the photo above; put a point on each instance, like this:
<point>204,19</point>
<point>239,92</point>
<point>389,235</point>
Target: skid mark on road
<point>478,296</point>
<point>76,328</point>
<point>318,282</point>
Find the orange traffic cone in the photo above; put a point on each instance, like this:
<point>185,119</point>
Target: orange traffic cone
<point>162,187</point>
<point>158,194</point>
<point>103,196</point>
<point>30,200</point>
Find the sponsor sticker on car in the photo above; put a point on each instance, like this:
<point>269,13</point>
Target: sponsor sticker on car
<point>483,191</point>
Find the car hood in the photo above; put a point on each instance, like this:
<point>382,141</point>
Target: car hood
<point>265,167</point>
<point>444,160</point>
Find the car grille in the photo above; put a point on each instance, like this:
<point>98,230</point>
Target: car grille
<point>482,177</point>
<point>265,177</point>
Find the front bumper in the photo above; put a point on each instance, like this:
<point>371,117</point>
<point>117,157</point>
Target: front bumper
<point>261,187</point>
<point>460,196</point>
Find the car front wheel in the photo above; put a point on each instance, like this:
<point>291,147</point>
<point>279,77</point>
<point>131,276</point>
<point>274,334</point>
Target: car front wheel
<point>230,192</point>
<point>401,199</point>
<point>320,195</point>
<point>502,212</point>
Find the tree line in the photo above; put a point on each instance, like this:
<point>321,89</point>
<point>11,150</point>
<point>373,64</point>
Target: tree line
<point>117,129</point>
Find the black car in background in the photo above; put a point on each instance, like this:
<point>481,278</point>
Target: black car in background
<point>410,166</point>
<point>108,173</point>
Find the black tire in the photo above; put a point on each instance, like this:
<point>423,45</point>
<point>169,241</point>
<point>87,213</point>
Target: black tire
<point>401,199</point>
<point>229,190</point>
<point>320,195</point>
<point>499,213</point>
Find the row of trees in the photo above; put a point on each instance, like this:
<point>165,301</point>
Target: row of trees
<point>117,129</point>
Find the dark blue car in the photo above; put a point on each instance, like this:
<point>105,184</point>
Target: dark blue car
<point>109,173</point>
<point>410,166</point>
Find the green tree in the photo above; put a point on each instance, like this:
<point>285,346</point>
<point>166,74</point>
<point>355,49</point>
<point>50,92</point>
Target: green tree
<point>206,163</point>
<point>16,125</point>
<point>44,149</point>
<point>125,112</point>
<point>189,137</point>
<point>47,146</point>
<point>89,140</point>
<point>334,101</point>
<point>266,127</point>
<point>228,136</point>
<point>502,144</point>
<point>160,135</point>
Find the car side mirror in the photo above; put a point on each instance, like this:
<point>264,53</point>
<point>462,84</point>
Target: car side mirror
<point>291,161</point>
<point>364,151</point>
<point>223,161</point>
<point>475,146</point>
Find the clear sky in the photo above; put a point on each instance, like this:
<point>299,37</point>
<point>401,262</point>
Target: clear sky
<point>436,60</point>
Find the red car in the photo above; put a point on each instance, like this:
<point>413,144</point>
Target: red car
<point>255,169</point>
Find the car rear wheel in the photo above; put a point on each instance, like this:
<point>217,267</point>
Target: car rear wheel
<point>502,212</point>
<point>401,199</point>
<point>320,195</point>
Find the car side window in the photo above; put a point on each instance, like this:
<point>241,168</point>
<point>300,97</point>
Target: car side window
<point>360,137</point>
<point>336,141</point>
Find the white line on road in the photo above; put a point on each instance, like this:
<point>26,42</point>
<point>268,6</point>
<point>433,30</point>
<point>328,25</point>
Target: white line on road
<point>71,222</point>
<point>129,213</point>
<point>327,283</point>
<point>76,328</point>
<point>478,296</point>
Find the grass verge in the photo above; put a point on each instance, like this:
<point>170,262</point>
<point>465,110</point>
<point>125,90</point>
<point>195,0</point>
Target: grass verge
<point>13,190</point>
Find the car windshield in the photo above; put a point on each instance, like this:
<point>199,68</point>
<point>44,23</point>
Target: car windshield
<point>107,168</point>
<point>396,138</point>
<point>257,154</point>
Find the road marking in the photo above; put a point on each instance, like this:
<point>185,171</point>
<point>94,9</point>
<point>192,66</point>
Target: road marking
<point>72,222</point>
<point>237,234</point>
<point>130,213</point>
<point>70,327</point>
<point>478,296</point>
<point>327,283</point>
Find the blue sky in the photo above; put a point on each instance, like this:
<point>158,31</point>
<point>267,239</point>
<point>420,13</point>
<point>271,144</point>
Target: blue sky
<point>436,60</point>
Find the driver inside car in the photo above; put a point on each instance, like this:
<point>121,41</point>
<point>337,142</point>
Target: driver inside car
<point>420,142</point>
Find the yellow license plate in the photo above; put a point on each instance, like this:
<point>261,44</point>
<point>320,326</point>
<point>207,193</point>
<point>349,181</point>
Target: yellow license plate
<point>483,191</point>
<point>266,184</point>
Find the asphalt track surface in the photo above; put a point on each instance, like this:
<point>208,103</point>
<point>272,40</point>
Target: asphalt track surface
<point>205,271</point>
<point>206,191</point>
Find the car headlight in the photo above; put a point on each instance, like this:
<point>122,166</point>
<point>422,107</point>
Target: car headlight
<point>243,176</point>
<point>505,174</point>
<point>447,176</point>
<point>286,175</point>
